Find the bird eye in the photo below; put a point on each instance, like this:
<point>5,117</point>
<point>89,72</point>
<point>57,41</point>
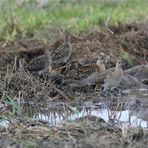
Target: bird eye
<point>119,62</point>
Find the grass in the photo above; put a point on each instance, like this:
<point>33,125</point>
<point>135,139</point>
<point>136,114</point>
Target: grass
<point>125,56</point>
<point>71,15</point>
<point>16,108</point>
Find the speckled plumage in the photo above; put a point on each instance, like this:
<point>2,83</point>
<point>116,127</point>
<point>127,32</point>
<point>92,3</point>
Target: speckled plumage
<point>41,63</point>
<point>87,74</point>
<point>87,70</point>
<point>62,53</point>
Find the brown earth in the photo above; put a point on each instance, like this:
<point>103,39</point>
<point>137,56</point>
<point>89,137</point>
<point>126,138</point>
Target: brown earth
<point>87,132</point>
<point>130,38</point>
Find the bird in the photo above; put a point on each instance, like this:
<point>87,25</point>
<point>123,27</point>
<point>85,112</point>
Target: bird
<point>128,82</point>
<point>135,77</point>
<point>87,74</point>
<point>62,53</point>
<point>87,70</point>
<point>140,71</point>
<point>113,79</point>
<point>41,64</point>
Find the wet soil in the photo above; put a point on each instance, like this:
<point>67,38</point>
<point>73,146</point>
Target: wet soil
<point>29,90</point>
<point>84,132</point>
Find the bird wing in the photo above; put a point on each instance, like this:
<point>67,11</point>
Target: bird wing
<point>85,71</point>
<point>109,77</point>
<point>56,56</point>
<point>61,53</point>
<point>38,64</point>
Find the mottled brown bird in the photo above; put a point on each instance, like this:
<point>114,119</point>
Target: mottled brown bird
<point>88,74</point>
<point>41,64</point>
<point>86,70</point>
<point>62,53</point>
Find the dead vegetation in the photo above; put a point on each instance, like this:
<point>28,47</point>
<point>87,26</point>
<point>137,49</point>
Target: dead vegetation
<point>17,83</point>
<point>86,46</point>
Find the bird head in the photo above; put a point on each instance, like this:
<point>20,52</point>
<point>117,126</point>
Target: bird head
<point>119,63</point>
<point>67,38</point>
<point>100,63</point>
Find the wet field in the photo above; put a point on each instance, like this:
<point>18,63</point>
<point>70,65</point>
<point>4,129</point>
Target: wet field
<point>37,112</point>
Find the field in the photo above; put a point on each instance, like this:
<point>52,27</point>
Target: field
<point>38,111</point>
<point>72,15</point>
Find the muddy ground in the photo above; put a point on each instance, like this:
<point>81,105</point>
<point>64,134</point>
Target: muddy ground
<point>19,85</point>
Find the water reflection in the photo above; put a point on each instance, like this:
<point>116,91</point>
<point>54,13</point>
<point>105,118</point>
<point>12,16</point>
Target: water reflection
<point>119,116</point>
<point>4,123</point>
<point>135,111</point>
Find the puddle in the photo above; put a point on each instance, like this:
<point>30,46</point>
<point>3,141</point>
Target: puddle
<point>56,118</point>
<point>101,111</point>
<point>56,113</point>
<point>4,123</point>
<point>120,116</point>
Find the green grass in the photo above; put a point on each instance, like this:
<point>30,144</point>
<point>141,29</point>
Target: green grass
<point>16,108</point>
<point>88,14</point>
<point>125,56</point>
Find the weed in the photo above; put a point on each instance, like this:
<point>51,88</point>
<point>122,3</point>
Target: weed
<point>28,144</point>
<point>17,108</point>
<point>125,57</point>
<point>13,104</point>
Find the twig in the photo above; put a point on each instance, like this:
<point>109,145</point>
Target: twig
<point>107,24</point>
<point>59,91</point>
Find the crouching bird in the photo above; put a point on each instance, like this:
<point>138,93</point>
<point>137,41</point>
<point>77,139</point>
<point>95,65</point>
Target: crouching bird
<point>41,64</point>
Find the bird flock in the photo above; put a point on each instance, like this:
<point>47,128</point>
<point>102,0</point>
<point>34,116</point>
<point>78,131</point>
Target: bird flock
<point>85,74</point>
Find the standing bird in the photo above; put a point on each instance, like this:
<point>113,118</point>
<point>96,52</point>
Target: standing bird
<point>41,64</point>
<point>62,53</point>
<point>113,79</point>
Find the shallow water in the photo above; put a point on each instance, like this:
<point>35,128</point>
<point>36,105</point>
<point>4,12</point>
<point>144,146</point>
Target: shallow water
<point>54,114</point>
<point>54,118</point>
<point>4,123</point>
<point>101,111</point>
<point>120,116</point>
